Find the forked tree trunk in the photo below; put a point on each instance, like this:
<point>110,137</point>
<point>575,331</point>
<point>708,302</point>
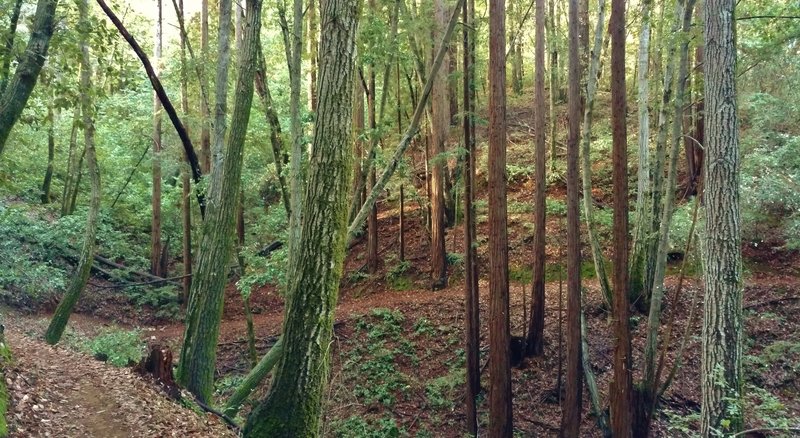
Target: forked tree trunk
<point>721,380</point>
<point>293,405</point>
<point>571,413</point>
<point>81,276</point>
<point>18,89</point>
<point>198,355</point>
<point>535,338</point>
<point>500,402</point>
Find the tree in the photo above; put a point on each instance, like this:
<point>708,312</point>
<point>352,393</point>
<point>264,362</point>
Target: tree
<point>205,131</point>
<point>8,46</point>
<point>500,412</point>
<point>155,223</point>
<point>721,380</point>
<point>15,95</point>
<point>440,125</point>
<point>64,309</point>
<point>620,393</point>
<point>471,296</point>
<point>186,199</point>
<point>571,413</point>
<point>293,405</point>
<point>535,340</point>
<point>198,355</point>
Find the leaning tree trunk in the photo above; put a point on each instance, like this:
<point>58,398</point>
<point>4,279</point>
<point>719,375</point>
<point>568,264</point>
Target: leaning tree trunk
<point>198,356</point>
<point>15,96</point>
<point>81,276</point>
<point>721,381</point>
<point>293,406</point>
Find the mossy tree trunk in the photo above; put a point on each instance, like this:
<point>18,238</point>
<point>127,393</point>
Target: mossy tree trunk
<point>19,87</point>
<point>721,381</point>
<point>293,405</point>
<point>81,276</point>
<point>198,356</point>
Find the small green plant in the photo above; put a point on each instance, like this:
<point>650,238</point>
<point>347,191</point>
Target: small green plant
<point>396,277</point>
<point>120,348</point>
<point>359,427</point>
<point>520,274</point>
<point>357,276</point>
<point>441,391</point>
<point>555,207</point>
<point>455,259</point>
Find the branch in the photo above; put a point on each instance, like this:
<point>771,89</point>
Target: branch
<point>191,156</point>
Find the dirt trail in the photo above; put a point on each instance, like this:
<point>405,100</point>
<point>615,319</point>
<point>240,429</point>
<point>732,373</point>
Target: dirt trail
<point>59,393</point>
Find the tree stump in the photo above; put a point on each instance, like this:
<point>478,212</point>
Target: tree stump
<point>158,365</point>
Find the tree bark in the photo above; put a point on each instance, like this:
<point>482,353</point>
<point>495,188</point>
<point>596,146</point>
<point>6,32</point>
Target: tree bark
<point>78,282</point>
<point>17,91</point>
<point>571,413</point>
<point>294,48</point>
<point>620,393</point>
<point>500,403</point>
<point>535,341</point>
<point>198,356</point>
<point>205,116</point>
<point>721,381</point>
<point>51,152</point>
<point>8,48</point>
<point>186,199</point>
<point>440,124</point>
<point>471,298</point>
<point>553,80</point>
<point>155,222</point>
<point>293,405</point>
<point>313,47</point>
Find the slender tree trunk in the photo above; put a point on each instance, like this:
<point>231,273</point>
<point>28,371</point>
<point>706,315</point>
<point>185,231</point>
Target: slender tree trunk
<point>372,219</point>
<point>440,124</point>
<point>359,185</point>
<point>296,165</point>
<point>571,412</point>
<point>553,81</point>
<point>15,95</point>
<point>313,43</point>
<point>186,197</point>
<point>51,152</point>
<point>77,186</point>
<point>253,379</point>
<point>198,355</point>
<point>721,380</point>
<point>72,160</point>
<point>402,224</point>
<point>205,116</point>
<point>81,276</point>
<point>293,405</point>
<point>155,223</point>
<point>8,47</point>
<point>500,403</point>
<point>472,317</point>
<point>535,340</point>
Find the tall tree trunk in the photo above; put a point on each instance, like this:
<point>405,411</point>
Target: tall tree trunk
<point>643,220</point>
<point>721,381</point>
<point>198,356</point>
<point>472,317</point>
<point>620,393</point>
<point>51,152</point>
<point>15,95</point>
<point>186,198</point>
<point>571,412</point>
<point>72,159</point>
<point>293,405</point>
<point>535,340</point>
<point>155,223</point>
<point>440,125</point>
<point>8,47</point>
<point>500,403</point>
<point>205,116</point>
<point>372,219</point>
<point>78,282</point>
<point>553,85</point>
<point>294,47</point>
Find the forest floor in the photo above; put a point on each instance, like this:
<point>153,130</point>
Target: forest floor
<point>398,357</point>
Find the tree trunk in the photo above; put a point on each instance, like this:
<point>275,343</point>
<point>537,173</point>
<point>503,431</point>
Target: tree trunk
<point>51,152</point>
<point>71,162</point>
<point>186,199</point>
<point>571,413</point>
<point>198,356</point>
<point>15,95</point>
<point>8,47</point>
<point>553,81</point>
<point>471,299</point>
<point>155,223</point>
<point>205,131</point>
<point>721,381</point>
<point>440,125</point>
<point>81,276</point>
<point>253,379</point>
<point>372,219</point>
<point>535,341</point>
<point>294,47</point>
<point>313,43</point>
<point>500,403</point>
<point>293,405</point>
<point>620,393</point>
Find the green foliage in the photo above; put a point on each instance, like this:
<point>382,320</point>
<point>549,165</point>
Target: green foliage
<point>442,391</point>
<point>520,274</point>
<point>118,347</point>
<point>357,426</point>
<point>164,300</point>
<point>396,276</point>
<point>555,207</point>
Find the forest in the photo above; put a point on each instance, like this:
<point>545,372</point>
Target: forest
<point>399,218</point>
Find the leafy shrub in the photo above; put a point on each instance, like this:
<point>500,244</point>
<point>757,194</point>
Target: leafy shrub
<point>118,347</point>
<point>358,427</point>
